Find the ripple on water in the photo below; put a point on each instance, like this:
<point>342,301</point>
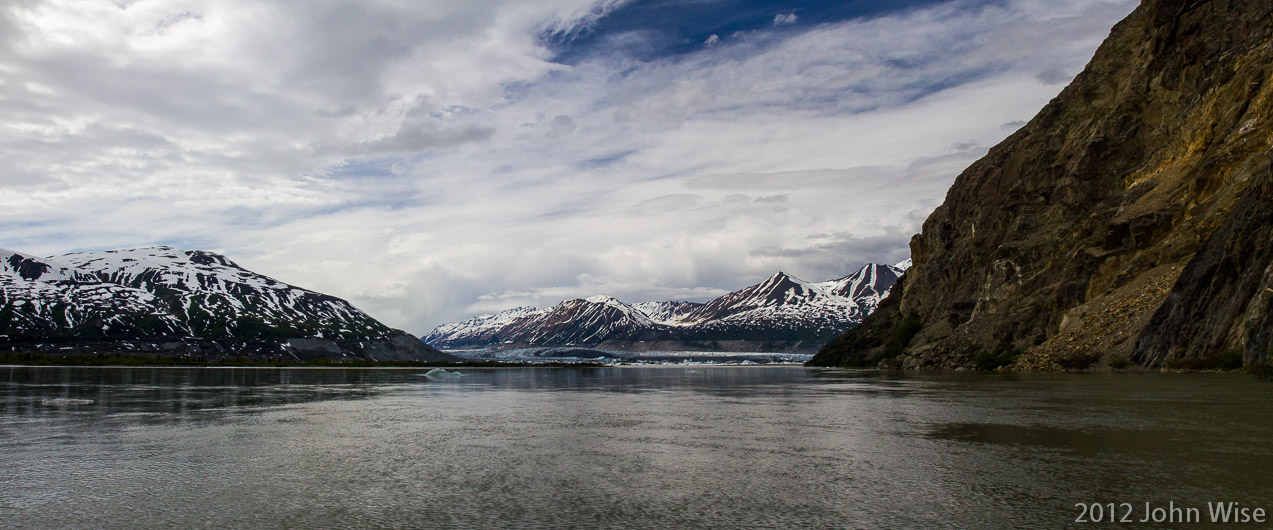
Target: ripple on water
<point>704,447</point>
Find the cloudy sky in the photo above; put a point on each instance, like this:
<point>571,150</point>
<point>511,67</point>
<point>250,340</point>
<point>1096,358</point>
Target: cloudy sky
<point>431,160</point>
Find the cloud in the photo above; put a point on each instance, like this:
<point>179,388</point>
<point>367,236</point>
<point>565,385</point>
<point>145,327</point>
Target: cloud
<point>412,137</point>
<point>1054,76</point>
<point>664,204</point>
<point>428,161</point>
<point>561,127</point>
<point>844,251</point>
<point>785,19</point>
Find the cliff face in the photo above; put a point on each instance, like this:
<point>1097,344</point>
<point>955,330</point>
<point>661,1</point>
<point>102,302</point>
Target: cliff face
<point>1128,222</point>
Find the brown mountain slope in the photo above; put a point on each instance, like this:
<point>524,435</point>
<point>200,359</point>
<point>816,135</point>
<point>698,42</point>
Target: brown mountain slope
<point>1127,222</point>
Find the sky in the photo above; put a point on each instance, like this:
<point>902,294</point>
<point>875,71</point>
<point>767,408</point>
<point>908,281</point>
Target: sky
<point>430,160</point>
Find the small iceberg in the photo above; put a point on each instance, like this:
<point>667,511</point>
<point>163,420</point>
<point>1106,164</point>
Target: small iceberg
<point>67,401</point>
<point>438,373</point>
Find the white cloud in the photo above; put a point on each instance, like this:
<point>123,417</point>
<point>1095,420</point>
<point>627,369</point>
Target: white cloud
<point>785,19</point>
<point>427,161</point>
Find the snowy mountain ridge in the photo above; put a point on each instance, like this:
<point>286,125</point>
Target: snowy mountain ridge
<point>16,264</point>
<point>163,294</point>
<point>781,312</point>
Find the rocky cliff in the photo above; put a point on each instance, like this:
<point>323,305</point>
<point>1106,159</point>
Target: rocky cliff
<point>1127,223</point>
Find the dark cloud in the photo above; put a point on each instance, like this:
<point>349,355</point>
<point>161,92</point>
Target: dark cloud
<point>667,203</point>
<point>1054,76</point>
<point>786,180</point>
<point>9,31</point>
<point>173,20</point>
<point>415,137</point>
<point>842,253</point>
<point>560,127</point>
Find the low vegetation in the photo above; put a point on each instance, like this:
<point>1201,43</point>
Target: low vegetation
<point>1002,355</point>
<point>1262,370</point>
<point>1084,361</point>
<point>1225,360</point>
<point>902,335</point>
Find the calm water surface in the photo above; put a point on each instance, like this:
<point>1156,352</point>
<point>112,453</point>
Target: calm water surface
<point>630,448</point>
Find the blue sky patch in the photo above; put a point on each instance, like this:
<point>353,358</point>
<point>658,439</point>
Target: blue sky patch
<point>653,29</point>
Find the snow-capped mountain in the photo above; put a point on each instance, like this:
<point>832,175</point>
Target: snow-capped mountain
<point>484,329</point>
<point>16,264</point>
<point>41,298</point>
<point>868,286</point>
<point>668,313</point>
<point>165,295</point>
<point>217,298</point>
<point>585,321</point>
<point>780,298</point>
<point>783,312</point>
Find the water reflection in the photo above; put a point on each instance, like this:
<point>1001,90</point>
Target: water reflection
<point>173,393</point>
<point>200,394</point>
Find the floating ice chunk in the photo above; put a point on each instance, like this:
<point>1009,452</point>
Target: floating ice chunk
<point>438,373</point>
<point>67,401</point>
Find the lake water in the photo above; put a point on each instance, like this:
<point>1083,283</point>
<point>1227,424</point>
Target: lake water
<point>622,448</point>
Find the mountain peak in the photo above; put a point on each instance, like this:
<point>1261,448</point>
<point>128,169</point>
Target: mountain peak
<point>30,267</point>
<point>783,276</point>
<point>781,309</point>
<point>781,281</point>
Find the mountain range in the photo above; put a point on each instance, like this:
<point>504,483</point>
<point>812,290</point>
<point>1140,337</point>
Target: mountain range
<point>782,313</point>
<point>170,302</point>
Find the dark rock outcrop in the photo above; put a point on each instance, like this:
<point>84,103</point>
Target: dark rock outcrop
<point>1224,297</point>
<point>1126,223</point>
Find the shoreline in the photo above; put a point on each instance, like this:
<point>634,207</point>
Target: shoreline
<point>26,360</point>
<point>142,361</point>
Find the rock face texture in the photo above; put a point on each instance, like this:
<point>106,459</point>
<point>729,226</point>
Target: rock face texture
<point>1128,223</point>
